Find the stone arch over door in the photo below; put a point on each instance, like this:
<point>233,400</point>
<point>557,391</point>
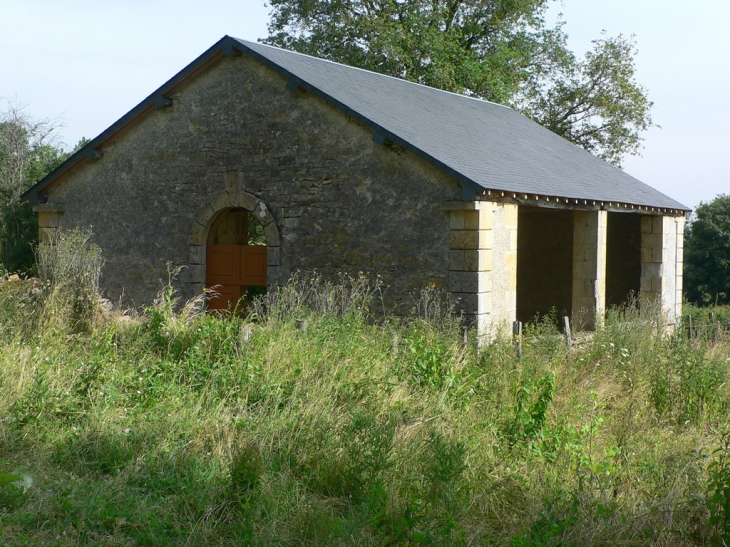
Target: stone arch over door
<point>233,198</point>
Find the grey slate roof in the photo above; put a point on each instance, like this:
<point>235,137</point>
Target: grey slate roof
<point>489,144</point>
<point>484,145</point>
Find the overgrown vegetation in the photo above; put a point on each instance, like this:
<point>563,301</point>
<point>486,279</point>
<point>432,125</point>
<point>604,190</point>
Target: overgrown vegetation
<point>29,150</point>
<point>316,422</point>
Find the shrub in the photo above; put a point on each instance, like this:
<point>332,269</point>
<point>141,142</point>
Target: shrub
<point>69,264</point>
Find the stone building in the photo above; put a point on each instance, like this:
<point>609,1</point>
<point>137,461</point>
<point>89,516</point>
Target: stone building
<point>254,162</point>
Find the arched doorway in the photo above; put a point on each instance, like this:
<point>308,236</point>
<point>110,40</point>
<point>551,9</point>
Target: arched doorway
<point>236,259</point>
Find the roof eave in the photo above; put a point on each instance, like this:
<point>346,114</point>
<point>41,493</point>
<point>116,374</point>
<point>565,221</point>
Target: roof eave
<point>157,99</point>
<point>470,189</point>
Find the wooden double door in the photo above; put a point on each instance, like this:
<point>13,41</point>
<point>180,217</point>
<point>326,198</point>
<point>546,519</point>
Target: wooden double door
<point>231,270</point>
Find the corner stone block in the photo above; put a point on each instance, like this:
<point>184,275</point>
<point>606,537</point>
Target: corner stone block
<point>272,256</point>
<point>510,216</point>
<point>468,303</point>
<point>456,220</point>
<point>184,276</point>
<point>470,282</point>
<point>486,239</point>
<point>197,273</point>
<point>513,241</point>
<point>463,282</point>
<point>511,299</point>
<point>486,328</point>
<point>652,240</point>
<point>272,235</point>
<point>583,270</point>
<point>680,226</point>
<point>647,224</point>
<point>652,269</point>
<point>272,275</point>
<point>197,235</point>
<point>477,261</point>
<point>579,237</point>
<point>464,239</point>
<point>660,255</point>
<point>457,261</point>
<point>485,302</point>
<point>645,284</point>
<point>197,254</point>
<point>471,220</point>
<point>658,225</point>
<point>646,254</point>
<point>486,219</point>
<point>510,261</point>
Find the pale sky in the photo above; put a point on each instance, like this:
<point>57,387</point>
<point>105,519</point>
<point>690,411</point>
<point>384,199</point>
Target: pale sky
<point>88,63</point>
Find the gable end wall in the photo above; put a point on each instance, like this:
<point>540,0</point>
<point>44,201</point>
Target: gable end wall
<point>340,201</point>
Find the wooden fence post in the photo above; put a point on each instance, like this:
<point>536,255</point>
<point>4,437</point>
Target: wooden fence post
<point>568,336</point>
<point>689,327</point>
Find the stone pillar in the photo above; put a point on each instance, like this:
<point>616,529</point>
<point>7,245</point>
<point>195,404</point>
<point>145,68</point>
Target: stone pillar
<point>504,277</point>
<point>589,267</point>
<point>470,260</point>
<point>49,219</point>
<point>481,231</point>
<point>662,257</point>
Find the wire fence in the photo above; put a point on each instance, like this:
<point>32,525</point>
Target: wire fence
<point>706,326</point>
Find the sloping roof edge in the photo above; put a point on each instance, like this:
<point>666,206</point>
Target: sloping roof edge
<point>232,46</point>
<point>157,98</point>
<point>227,46</point>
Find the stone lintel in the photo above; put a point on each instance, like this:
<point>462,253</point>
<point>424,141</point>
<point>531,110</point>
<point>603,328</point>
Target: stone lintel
<point>49,208</point>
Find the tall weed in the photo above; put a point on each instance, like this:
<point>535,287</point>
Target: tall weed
<point>69,265</point>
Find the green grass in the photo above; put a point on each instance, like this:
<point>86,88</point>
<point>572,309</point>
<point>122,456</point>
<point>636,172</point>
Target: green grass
<point>330,427</point>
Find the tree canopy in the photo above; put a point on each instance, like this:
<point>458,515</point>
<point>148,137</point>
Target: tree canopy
<point>707,253</point>
<point>29,149</point>
<point>499,50</point>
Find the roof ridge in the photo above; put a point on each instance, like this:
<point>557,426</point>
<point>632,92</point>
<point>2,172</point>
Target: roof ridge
<point>401,80</point>
<point>489,153</point>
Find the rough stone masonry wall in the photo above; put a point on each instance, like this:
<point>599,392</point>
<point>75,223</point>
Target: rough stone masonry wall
<point>340,202</point>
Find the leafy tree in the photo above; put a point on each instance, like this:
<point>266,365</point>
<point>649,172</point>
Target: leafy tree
<point>28,151</point>
<point>499,50</point>
<point>707,253</point>
<point>594,102</point>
